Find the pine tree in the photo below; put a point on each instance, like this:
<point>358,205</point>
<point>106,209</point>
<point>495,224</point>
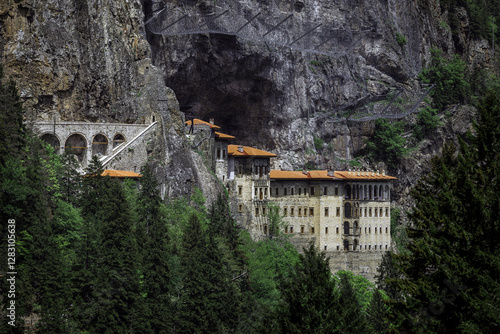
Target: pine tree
<point>449,278</point>
<point>349,310</point>
<point>106,273</point>
<point>309,300</point>
<point>207,303</point>
<point>153,238</point>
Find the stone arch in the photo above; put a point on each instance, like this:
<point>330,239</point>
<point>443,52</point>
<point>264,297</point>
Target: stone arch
<point>100,144</point>
<point>78,144</point>
<point>375,192</point>
<point>53,140</point>
<point>118,139</point>
<point>346,245</point>
<point>386,192</point>
<point>380,191</point>
<point>347,210</point>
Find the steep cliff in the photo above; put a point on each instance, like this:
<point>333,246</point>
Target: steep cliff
<point>89,61</point>
<point>98,61</point>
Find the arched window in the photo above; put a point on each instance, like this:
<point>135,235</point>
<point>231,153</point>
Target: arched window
<point>380,193</point>
<point>355,245</point>
<point>53,141</point>
<point>355,228</point>
<point>99,145</point>
<point>386,192</point>
<point>78,144</point>
<point>346,227</point>
<point>347,210</point>
<point>118,139</point>
<point>348,191</point>
<point>346,245</point>
<point>370,192</point>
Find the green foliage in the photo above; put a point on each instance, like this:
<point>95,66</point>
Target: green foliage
<point>427,123</point>
<point>309,298</point>
<point>275,221</point>
<point>318,143</point>
<point>449,78</point>
<point>449,276</point>
<point>387,143</point>
<point>401,39</point>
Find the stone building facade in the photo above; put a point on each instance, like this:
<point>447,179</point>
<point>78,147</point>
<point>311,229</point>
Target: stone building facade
<point>344,213</point>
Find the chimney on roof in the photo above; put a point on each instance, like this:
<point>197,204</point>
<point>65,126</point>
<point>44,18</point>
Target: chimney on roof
<point>383,172</point>
<point>378,174</point>
<point>211,121</point>
<point>349,171</point>
<point>330,170</point>
<point>240,149</point>
<point>304,170</point>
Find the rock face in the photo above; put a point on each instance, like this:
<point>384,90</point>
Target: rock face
<point>90,60</point>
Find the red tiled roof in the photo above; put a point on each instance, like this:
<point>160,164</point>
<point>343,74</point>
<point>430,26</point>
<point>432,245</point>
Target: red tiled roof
<point>200,122</point>
<point>220,135</point>
<point>323,175</point>
<point>232,150</point>
<point>120,173</point>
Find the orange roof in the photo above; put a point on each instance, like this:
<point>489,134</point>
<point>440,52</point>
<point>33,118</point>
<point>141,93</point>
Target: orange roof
<point>298,175</point>
<point>323,175</point>
<point>120,173</point>
<point>220,135</point>
<point>200,122</point>
<point>356,175</point>
<point>232,150</point>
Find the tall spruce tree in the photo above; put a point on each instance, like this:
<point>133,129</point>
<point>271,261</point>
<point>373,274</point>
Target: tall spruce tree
<point>450,277</point>
<point>152,235</point>
<point>309,299</point>
<point>106,273</point>
<point>207,301</point>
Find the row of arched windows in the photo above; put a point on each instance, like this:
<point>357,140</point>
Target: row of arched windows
<point>78,143</point>
<point>367,192</point>
<point>360,247</point>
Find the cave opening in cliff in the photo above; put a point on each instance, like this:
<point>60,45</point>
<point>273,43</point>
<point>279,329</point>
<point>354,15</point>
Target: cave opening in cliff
<point>78,144</point>
<point>52,140</point>
<point>99,145</point>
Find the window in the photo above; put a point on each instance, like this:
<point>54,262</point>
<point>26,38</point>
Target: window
<point>261,171</point>
<point>285,212</point>
<point>347,210</point>
<point>336,192</point>
<point>265,229</point>
<point>286,229</point>
<point>300,191</point>
<point>292,211</point>
<point>312,229</point>
<point>300,212</point>
<point>291,229</point>
<point>370,230</point>
<point>240,207</point>
<point>240,190</point>
<point>291,191</point>
<point>284,191</point>
<point>261,194</point>
<point>312,191</point>
<point>263,211</point>
<point>365,247</point>
<point>302,228</point>
<point>305,191</point>
<point>369,247</point>
<point>326,212</point>
<point>370,212</point>
<point>386,230</point>
<point>387,212</point>
<point>265,192</point>
<point>240,170</point>
<point>376,213</point>
<point>338,247</point>
<point>386,245</point>
<point>277,191</point>
<point>325,247</point>
<point>338,212</point>
<point>381,212</point>
<point>365,212</point>
<point>375,246</point>
<point>218,153</point>
<point>346,227</point>
<point>337,230</point>
<point>375,229</point>
<point>256,211</point>
<point>311,212</point>
<point>346,244</point>
<point>326,230</point>
<point>256,191</point>
<point>325,191</point>
<point>224,156</point>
